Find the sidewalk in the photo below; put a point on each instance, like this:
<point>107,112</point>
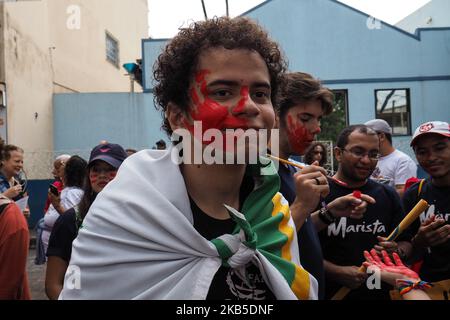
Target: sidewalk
<point>32,239</point>
<point>36,274</point>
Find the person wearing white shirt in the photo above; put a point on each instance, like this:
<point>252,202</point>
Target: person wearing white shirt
<point>394,167</point>
<point>74,174</point>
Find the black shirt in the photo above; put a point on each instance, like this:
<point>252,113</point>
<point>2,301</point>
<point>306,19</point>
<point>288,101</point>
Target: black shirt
<point>311,256</point>
<point>436,260</point>
<point>344,241</point>
<point>228,284</point>
<point>63,233</point>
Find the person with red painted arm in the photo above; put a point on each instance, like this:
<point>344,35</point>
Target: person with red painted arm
<point>406,281</point>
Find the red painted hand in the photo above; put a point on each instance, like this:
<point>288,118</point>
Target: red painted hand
<point>390,272</point>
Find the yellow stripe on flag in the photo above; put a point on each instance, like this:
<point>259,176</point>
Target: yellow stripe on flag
<point>301,283</point>
<point>284,226</point>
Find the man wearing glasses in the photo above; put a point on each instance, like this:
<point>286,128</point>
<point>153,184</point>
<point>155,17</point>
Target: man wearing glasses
<point>345,239</point>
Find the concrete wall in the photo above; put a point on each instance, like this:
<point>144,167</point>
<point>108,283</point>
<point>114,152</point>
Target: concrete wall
<point>29,80</point>
<point>82,120</point>
<point>43,54</point>
<point>434,14</point>
<point>79,56</point>
<point>336,43</point>
<point>3,114</point>
<point>2,46</point>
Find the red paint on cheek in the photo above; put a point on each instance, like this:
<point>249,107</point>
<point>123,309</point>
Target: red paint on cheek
<point>112,175</point>
<point>212,114</point>
<point>244,97</point>
<point>194,97</point>
<point>93,177</point>
<point>200,76</point>
<point>298,135</point>
<point>209,112</point>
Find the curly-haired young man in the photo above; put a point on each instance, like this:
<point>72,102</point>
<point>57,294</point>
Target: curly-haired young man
<point>162,230</point>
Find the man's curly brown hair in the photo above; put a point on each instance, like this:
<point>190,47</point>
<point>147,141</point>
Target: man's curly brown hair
<point>175,66</point>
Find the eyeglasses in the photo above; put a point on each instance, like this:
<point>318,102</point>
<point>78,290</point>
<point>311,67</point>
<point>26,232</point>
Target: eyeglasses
<point>360,153</point>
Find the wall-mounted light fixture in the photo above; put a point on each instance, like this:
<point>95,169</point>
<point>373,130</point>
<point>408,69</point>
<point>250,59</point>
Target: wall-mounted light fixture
<point>2,95</point>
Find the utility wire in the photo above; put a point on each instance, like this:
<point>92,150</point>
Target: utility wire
<point>204,10</point>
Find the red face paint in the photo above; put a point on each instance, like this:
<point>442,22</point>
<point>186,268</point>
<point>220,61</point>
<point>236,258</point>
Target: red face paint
<point>299,137</point>
<point>93,177</point>
<point>244,97</point>
<point>100,183</point>
<point>212,114</point>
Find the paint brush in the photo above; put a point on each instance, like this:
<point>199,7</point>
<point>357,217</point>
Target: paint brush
<point>342,183</point>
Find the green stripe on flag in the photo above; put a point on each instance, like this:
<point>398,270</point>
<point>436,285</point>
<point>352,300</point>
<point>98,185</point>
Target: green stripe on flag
<point>223,250</point>
<point>261,225</point>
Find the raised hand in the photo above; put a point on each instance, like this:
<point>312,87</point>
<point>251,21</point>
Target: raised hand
<point>13,192</point>
<point>350,206</point>
<point>311,185</point>
<point>432,232</point>
<point>389,246</point>
<point>351,276</point>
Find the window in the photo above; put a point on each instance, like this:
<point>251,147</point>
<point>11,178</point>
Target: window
<point>393,105</point>
<point>112,50</point>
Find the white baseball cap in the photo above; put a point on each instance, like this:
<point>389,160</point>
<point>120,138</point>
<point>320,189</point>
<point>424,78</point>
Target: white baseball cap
<point>439,127</point>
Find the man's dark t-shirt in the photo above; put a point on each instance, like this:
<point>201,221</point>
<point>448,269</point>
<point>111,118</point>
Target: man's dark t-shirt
<point>228,284</point>
<point>310,250</point>
<point>344,241</point>
<point>436,260</point>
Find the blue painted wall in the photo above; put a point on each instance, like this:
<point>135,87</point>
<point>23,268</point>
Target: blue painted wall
<point>333,42</point>
<point>81,121</point>
<point>323,37</point>
<point>37,189</point>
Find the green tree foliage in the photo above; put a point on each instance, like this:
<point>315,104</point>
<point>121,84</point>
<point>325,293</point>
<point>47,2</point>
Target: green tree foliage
<point>332,124</point>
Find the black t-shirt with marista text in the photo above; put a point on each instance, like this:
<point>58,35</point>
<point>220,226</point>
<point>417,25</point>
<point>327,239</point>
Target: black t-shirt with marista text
<point>436,260</point>
<point>343,242</point>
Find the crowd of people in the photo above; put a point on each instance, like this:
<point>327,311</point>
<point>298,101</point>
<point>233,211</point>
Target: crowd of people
<point>239,231</point>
